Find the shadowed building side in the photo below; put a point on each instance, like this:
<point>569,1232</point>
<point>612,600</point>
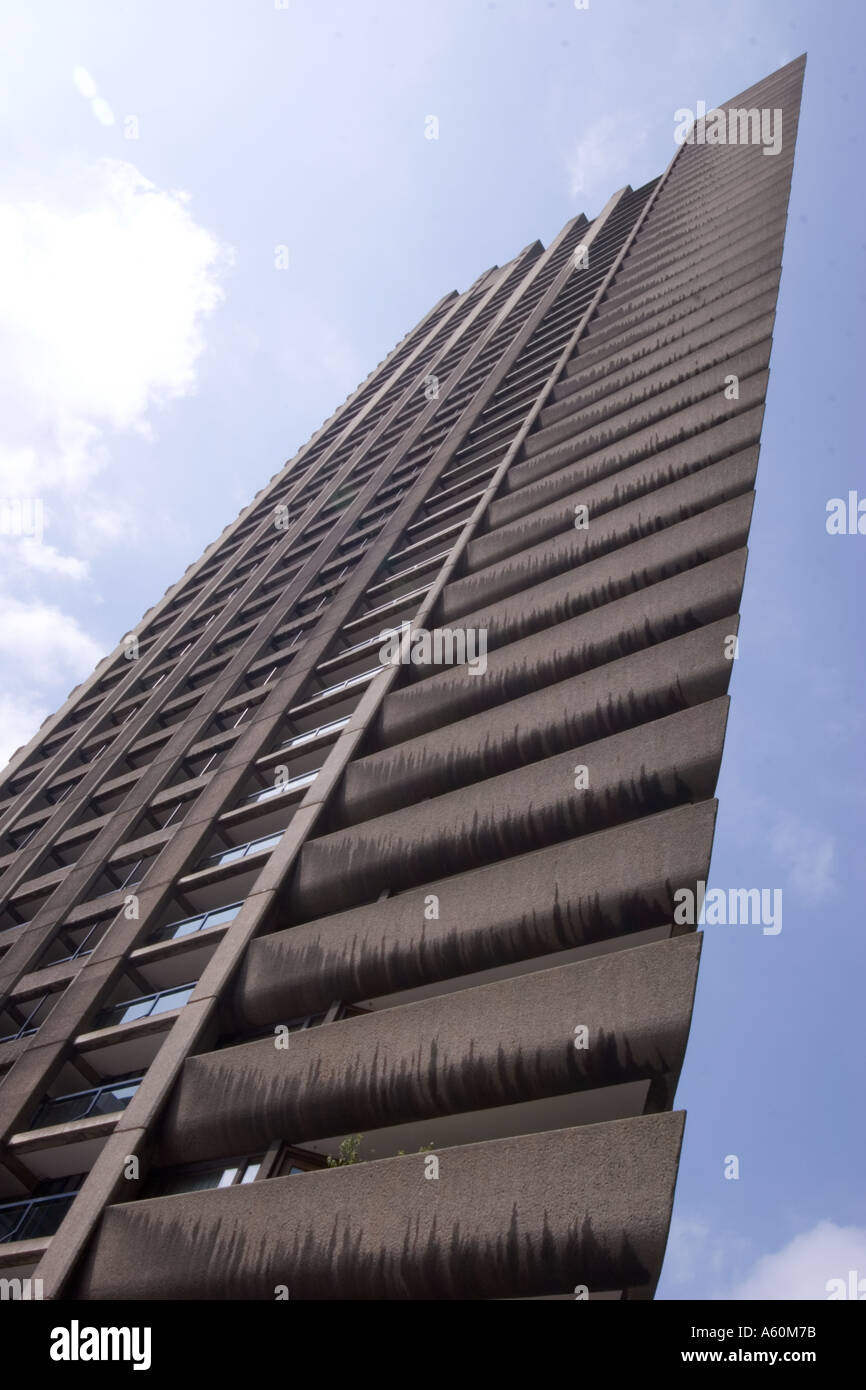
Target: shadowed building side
<point>341,951</point>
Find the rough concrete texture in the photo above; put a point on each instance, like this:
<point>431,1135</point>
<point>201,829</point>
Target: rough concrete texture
<point>494,1044</point>
<point>604,532</point>
<point>598,888</point>
<point>658,680</point>
<point>534,1215</point>
<point>658,765</point>
<point>664,609</point>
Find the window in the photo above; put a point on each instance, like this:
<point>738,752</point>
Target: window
<point>321,731</point>
<point>198,764</point>
<point>71,943</point>
<point>88,755</point>
<point>55,797</point>
<point>160,817</point>
<point>98,1100</point>
<point>294,1161</point>
<point>188,925</point>
<point>120,875</point>
<point>41,1213</point>
<point>198,1177</point>
<point>18,839</point>
<point>145,1006</point>
<point>294,784</point>
<point>22,1018</point>
<point>228,856</point>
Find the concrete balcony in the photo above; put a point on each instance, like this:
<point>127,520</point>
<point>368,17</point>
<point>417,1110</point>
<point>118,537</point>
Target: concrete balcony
<point>665,763</point>
<point>702,594</point>
<point>527,1217</point>
<point>719,446</point>
<point>574,896</point>
<point>646,384</point>
<point>661,679</point>
<point>509,1043</point>
<point>604,578</point>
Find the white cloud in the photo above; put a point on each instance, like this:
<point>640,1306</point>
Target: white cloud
<point>696,1253</point>
<point>36,555</point>
<point>605,151</point>
<point>102,111</point>
<point>44,644</point>
<point>88,89</point>
<point>101,307</point>
<point>803,1267</point>
<point>84,82</point>
<point>807,853</point>
<point>20,717</point>
<point>108,282</point>
<point>719,1265</point>
<point>803,850</point>
<point>49,654</point>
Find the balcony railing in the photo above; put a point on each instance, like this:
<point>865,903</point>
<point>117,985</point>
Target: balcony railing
<point>78,1105</point>
<point>13,926</point>
<point>31,1022</point>
<point>82,949</point>
<point>304,779</point>
<point>228,856</point>
<point>144,1007</point>
<point>362,678</point>
<point>312,734</point>
<point>39,1216</point>
<point>188,925</point>
<point>292,1025</point>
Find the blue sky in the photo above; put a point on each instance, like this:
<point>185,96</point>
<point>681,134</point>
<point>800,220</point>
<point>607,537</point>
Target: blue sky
<point>156,368</point>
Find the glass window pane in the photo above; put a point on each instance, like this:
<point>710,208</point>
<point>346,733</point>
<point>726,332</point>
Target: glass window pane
<point>114,1098</point>
<point>222,914</point>
<point>61,1111</point>
<point>192,924</point>
<point>228,856</point>
<point>174,999</point>
<point>139,1008</point>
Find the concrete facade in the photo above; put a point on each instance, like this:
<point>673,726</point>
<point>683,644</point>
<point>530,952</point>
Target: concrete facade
<point>264,890</point>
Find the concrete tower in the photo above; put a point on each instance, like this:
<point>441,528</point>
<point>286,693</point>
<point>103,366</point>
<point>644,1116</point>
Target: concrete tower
<point>273,879</point>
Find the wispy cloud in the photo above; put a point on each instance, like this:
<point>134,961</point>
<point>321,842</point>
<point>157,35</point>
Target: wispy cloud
<point>802,850</point>
<point>604,152</point>
<point>49,653</point>
<point>807,855</point>
<point>702,1262</point>
<point>697,1255</point>
<point>44,559</point>
<point>88,89</point>
<point>20,717</point>
<point>108,284</point>
<point>105,289</point>
<point>803,1268</point>
<point>45,642</point>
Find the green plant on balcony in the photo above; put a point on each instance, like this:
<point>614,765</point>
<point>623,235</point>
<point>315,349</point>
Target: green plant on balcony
<point>347,1152</point>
